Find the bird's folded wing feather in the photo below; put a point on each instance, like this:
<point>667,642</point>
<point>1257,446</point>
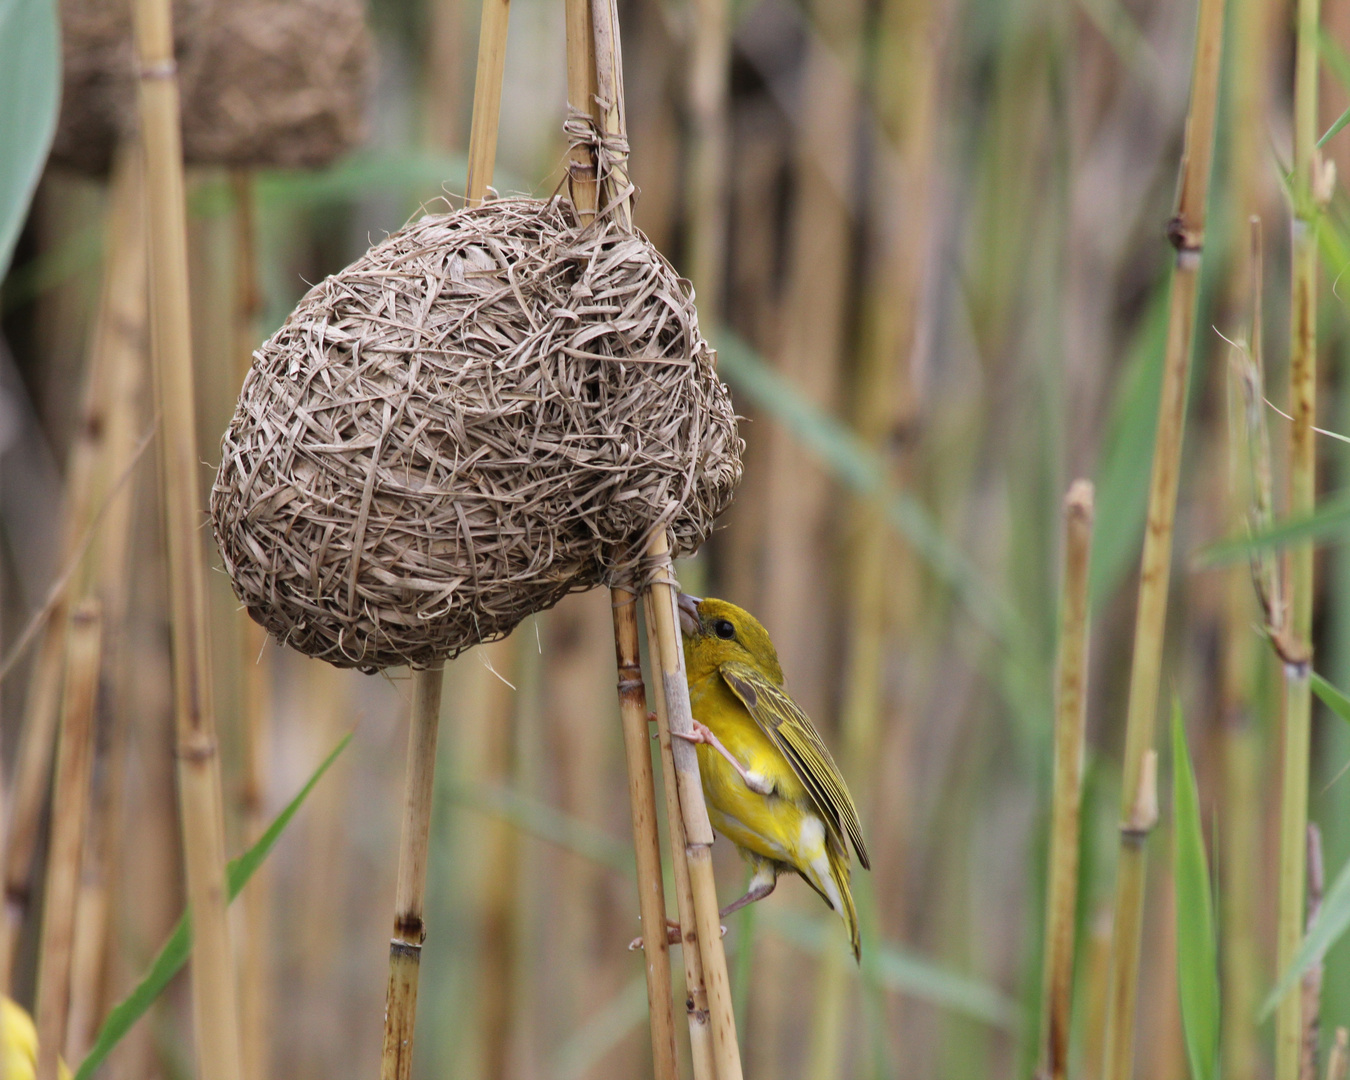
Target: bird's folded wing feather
<point>792,732</point>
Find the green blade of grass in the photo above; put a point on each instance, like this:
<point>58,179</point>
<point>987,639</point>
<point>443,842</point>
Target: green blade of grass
<point>1197,944</point>
<point>1331,697</point>
<point>30,94</point>
<point>1332,518</point>
<point>1341,121</point>
<point>1331,923</point>
<point>176,950</point>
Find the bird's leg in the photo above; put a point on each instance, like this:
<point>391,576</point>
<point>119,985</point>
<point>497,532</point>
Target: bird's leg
<point>703,734</point>
<point>756,892</point>
<point>674,936</point>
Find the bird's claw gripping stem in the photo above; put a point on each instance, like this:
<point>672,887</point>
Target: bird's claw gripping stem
<point>703,734</point>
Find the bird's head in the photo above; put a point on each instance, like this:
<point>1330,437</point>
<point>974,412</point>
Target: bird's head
<point>716,632</point>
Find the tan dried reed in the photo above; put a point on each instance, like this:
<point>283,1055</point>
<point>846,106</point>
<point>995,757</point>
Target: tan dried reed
<point>70,799</point>
<point>1138,791</point>
<point>1070,723</point>
<point>201,810</point>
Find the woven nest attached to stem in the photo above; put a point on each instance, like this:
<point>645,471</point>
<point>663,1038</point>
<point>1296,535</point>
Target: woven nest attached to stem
<point>275,83</point>
<point>490,409</point>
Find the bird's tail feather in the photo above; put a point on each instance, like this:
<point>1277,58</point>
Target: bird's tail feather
<point>840,871</point>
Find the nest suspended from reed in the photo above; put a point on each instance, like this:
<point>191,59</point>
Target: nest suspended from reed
<point>490,409</point>
<point>264,83</point>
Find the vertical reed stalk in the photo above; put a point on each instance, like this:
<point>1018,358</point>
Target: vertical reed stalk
<point>1138,789</point>
<point>1302,494</point>
<point>70,798</point>
<point>709,71</point>
<point>92,464</point>
<point>215,1008</point>
<point>646,841</point>
<point>1070,720</point>
<point>1310,986</point>
<point>669,661</point>
<point>405,947</point>
<point>696,991</point>
<point>1241,743</point>
<point>487,97</point>
<point>254,696</point>
<point>586,28</point>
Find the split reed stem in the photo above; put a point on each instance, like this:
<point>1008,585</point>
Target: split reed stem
<point>70,801</point>
<point>696,991</point>
<point>669,661</point>
<point>646,840</point>
<point>1138,787</point>
<point>1070,721</point>
<point>1302,495</point>
<point>215,1005</point>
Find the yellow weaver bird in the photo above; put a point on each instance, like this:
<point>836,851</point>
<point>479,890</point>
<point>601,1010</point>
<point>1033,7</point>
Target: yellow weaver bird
<point>771,785</point>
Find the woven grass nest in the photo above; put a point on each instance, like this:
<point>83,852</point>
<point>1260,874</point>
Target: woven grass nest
<point>279,83</point>
<point>491,409</point>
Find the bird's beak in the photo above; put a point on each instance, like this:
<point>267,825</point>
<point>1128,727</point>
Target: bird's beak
<point>688,609</point>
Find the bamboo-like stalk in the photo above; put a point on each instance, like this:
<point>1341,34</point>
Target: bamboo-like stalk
<point>1241,741</point>
<point>709,73</point>
<point>255,986</point>
<point>1138,793</point>
<point>70,798</point>
<point>1070,721</point>
<point>696,991</point>
<point>1310,986</point>
<point>214,991</point>
<point>92,459</point>
<point>405,947</point>
<point>646,841</point>
<point>1302,495</point>
<point>668,660</point>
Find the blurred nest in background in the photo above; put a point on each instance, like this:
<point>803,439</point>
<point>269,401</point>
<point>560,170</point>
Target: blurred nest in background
<point>279,83</point>
<point>490,409</point>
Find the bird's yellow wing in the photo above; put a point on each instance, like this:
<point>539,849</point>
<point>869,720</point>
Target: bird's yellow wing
<point>796,737</point>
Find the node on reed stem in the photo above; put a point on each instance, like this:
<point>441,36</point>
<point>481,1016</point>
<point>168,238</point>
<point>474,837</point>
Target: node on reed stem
<point>215,1007</point>
<point>1138,788</point>
<point>1302,496</point>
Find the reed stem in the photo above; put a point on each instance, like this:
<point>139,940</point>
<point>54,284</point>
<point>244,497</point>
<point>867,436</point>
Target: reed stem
<point>214,990</point>
<point>1138,787</point>
<point>405,948</point>
<point>70,800</point>
<point>646,840</point>
<point>90,462</point>
<point>696,991</point>
<point>1302,495</point>
<point>669,661</point>
<point>1070,721</point>
<point>255,669</point>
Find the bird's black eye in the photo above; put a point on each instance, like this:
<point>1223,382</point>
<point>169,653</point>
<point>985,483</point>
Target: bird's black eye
<point>723,628</point>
